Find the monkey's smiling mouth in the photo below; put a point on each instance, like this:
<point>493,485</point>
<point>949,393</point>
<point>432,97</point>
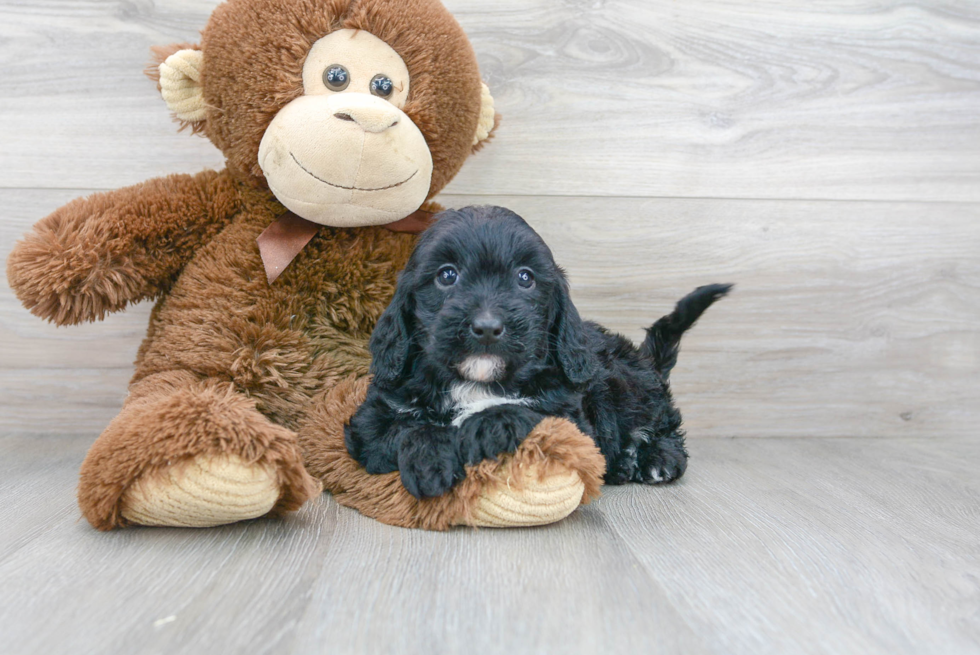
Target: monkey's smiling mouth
<point>350,188</point>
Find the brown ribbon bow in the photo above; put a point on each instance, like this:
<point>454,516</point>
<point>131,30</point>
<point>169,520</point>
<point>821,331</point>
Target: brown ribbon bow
<point>287,235</point>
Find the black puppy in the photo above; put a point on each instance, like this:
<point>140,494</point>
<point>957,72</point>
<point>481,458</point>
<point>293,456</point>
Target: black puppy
<point>482,341</point>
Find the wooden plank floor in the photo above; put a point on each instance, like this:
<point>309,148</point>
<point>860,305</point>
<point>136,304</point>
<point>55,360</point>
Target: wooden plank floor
<point>824,156</point>
<point>765,546</point>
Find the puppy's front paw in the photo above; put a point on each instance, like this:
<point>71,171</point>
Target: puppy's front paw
<point>495,431</point>
<point>662,466</point>
<point>428,464</point>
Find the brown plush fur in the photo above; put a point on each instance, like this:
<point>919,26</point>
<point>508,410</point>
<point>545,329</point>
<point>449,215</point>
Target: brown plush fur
<point>97,254</point>
<point>174,416</point>
<point>232,364</point>
<point>554,444</point>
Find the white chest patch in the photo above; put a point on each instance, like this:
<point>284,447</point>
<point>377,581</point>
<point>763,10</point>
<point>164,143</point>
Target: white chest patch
<point>469,398</point>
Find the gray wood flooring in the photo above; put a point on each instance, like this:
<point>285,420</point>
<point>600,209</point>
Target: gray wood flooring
<point>824,156</point>
<point>766,546</point>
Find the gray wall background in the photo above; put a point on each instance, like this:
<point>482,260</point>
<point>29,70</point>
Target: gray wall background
<point>823,156</point>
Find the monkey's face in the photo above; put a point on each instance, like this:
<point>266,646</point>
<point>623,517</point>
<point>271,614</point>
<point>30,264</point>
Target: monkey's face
<point>351,112</point>
<point>344,153</point>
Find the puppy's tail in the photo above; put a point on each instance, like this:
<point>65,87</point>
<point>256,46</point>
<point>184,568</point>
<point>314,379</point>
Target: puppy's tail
<point>664,338</point>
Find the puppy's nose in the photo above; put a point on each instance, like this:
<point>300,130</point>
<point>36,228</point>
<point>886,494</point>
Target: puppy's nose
<point>487,328</point>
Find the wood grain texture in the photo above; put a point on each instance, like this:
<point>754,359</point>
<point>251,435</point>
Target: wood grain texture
<point>755,551</point>
<point>823,156</point>
<point>817,546</point>
<point>848,319</point>
<point>874,99</point>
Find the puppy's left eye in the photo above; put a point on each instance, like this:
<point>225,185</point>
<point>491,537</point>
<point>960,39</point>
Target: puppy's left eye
<point>525,278</point>
<point>447,276</point>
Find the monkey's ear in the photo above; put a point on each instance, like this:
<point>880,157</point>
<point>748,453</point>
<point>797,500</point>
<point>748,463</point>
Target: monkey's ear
<point>391,340</point>
<point>489,119</point>
<point>177,72</point>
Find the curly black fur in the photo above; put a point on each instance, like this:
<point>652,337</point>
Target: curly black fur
<point>463,371</point>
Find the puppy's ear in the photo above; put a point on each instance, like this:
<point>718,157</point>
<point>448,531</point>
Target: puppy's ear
<point>568,335</point>
<point>391,340</point>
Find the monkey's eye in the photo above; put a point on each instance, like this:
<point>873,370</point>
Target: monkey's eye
<point>447,276</point>
<point>382,86</point>
<point>336,77</point>
<point>525,278</point>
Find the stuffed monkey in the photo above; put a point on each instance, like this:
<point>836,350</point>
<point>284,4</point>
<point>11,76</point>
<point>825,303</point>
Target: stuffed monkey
<point>339,120</point>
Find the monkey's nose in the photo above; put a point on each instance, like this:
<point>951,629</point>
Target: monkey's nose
<point>487,328</point>
<point>370,119</point>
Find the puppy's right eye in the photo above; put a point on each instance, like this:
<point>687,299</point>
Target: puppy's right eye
<point>447,276</point>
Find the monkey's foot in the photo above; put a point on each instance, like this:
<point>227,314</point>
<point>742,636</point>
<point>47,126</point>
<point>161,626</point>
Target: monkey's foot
<point>202,492</point>
<point>190,452</point>
<point>535,502</point>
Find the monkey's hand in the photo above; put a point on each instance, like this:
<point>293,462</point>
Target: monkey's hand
<point>97,254</point>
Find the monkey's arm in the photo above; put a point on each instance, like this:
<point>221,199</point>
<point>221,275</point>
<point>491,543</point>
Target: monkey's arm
<point>97,254</point>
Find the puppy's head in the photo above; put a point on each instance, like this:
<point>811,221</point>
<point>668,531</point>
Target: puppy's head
<point>481,299</point>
